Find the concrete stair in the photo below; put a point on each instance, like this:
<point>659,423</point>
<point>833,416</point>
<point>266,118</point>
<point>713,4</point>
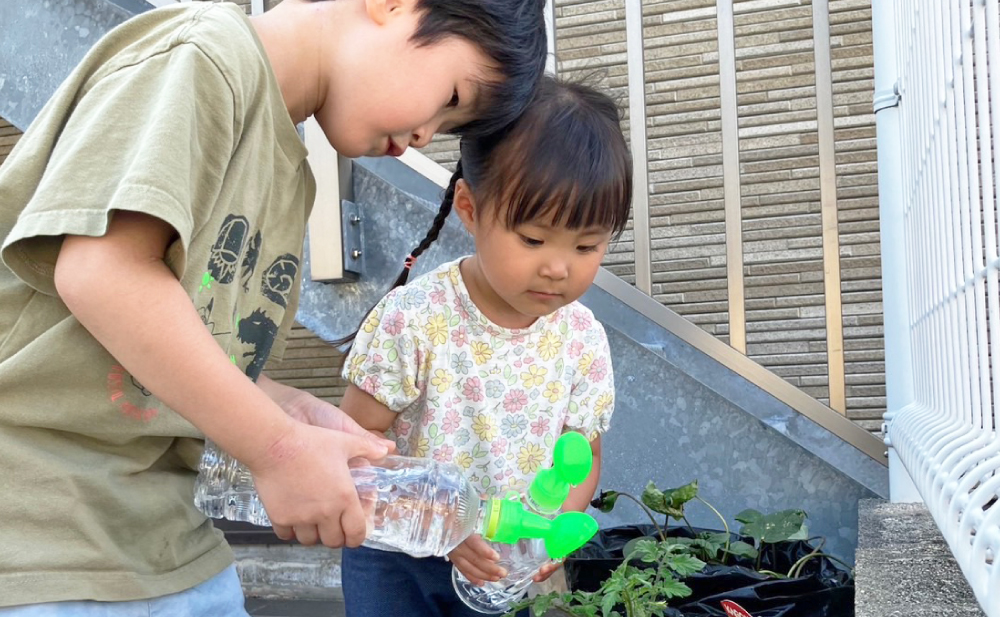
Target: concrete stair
<point>903,566</point>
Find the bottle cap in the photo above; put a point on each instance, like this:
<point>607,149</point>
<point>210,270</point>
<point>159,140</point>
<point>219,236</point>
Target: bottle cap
<point>572,460</point>
<point>509,521</point>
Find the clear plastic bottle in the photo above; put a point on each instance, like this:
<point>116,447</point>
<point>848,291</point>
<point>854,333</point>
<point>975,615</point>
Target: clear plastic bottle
<point>414,505</point>
<point>572,460</point>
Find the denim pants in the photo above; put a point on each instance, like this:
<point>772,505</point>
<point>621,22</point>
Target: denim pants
<point>219,596</point>
<point>381,583</point>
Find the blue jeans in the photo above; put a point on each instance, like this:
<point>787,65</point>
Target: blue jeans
<point>219,596</point>
<point>381,583</point>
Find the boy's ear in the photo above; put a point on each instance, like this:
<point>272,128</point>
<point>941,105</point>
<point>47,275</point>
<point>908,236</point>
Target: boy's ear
<point>464,205</point>
<point>380,11</point>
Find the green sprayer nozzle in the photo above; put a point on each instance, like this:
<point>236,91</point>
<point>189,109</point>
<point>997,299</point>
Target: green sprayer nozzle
<point>562,535</point>
<point>572,460</point>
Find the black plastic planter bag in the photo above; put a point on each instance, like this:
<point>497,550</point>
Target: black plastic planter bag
<point>823,590</point>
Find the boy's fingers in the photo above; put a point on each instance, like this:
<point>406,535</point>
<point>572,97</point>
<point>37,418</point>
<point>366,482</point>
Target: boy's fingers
<point>367,446</point>
<point>283,532</point>
<point>307,535</point>
<point>335,419</point>
<point>354,525</point>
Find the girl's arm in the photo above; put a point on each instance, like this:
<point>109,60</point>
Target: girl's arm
<point>366,410</point>
<point>580,496</point>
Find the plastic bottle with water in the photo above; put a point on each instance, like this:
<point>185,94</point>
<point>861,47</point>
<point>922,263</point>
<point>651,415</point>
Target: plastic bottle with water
<point>572,460</point>
<point>415,505</point>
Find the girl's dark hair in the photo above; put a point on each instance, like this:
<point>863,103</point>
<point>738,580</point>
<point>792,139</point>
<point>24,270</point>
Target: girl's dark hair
<point>564,161</point>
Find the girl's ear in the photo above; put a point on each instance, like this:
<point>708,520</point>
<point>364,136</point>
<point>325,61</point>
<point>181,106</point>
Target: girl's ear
<point>464,205</point>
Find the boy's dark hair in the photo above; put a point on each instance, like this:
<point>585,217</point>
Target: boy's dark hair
<point>510,32</point>
<point>564,160</point>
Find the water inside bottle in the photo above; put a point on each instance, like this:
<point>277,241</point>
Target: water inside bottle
<point>417,506</point>
<point>421,508</point>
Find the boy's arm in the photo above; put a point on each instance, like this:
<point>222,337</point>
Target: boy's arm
<point>365,409</point>
<point>149,324</point>
<point>581,495</point>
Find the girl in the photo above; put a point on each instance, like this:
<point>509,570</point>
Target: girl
<point>485,361</point>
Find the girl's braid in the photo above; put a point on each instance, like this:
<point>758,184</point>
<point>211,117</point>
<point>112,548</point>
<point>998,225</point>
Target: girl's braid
<point>432,234</point>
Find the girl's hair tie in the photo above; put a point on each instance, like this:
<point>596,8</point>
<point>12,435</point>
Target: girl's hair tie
<point>409,261</point>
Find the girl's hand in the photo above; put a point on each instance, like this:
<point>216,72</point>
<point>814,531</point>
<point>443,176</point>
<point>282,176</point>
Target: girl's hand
<point>475,559</point>
<point>546,571</point>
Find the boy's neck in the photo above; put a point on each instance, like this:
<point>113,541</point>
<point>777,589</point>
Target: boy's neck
<point>299,37</point>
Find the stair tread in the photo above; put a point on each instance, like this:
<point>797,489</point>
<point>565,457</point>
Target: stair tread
<point>257,607</point>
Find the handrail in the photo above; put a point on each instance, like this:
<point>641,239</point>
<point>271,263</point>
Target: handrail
<point>705,342</point>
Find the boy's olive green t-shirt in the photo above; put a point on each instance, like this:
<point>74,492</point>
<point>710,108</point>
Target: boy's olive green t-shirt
<point>175,114</point>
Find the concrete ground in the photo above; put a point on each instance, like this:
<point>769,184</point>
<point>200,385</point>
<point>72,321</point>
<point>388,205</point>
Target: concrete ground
<point>294,608</point>
<point>905,568</point>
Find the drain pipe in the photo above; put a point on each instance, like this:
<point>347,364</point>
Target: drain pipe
<point>895,297</point>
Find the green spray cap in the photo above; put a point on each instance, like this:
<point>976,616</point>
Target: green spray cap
<point>572,460</point>
<point>508,521</point>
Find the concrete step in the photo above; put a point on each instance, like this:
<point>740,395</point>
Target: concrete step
<point>294,608</point>
<point>904,566</point>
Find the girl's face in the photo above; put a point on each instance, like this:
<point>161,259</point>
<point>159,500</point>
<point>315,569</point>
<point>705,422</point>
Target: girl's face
<point>518,275</point>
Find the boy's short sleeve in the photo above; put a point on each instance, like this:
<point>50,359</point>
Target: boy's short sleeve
<point>592,395</point>
<point>154,137</point>
<point>386,358</point>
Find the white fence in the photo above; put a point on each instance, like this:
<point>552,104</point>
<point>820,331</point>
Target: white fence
<point>938,113</point>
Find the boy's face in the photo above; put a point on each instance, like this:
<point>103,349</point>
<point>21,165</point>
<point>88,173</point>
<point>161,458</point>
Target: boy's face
<point>392,94</point>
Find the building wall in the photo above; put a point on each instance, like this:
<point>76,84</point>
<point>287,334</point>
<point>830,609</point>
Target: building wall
<point>780,206</point>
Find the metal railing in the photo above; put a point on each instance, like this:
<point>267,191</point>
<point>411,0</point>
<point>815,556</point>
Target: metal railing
<point>937,73</point>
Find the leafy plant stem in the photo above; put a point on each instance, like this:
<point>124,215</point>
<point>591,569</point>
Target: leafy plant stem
<point>796,568</point>
<point>630,608</point>
<point>724,524</point>
<point>649,513</point>
<point>818,554</point>
<point>690,527</point>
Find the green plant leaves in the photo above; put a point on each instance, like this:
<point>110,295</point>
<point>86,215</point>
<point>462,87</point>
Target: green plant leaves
<point>742,549</point>
<point>671,501</point>
<point>776,527</point>
<point>605,502</point>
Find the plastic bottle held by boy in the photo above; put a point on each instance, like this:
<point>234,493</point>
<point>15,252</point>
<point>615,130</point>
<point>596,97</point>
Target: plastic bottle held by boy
<point>572,460</point>
<point>417,506</point>
<point>414,505</point>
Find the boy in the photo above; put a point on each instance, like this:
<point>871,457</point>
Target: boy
<point>153,218</point>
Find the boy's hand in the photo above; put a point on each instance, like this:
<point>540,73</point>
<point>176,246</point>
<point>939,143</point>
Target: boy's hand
<point>306,486</point>
<point>307,408</point>
<point>475,559</point>
<point>318,446</point>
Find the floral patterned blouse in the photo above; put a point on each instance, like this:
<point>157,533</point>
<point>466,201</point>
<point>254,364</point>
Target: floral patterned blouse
<point>492,400</point>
